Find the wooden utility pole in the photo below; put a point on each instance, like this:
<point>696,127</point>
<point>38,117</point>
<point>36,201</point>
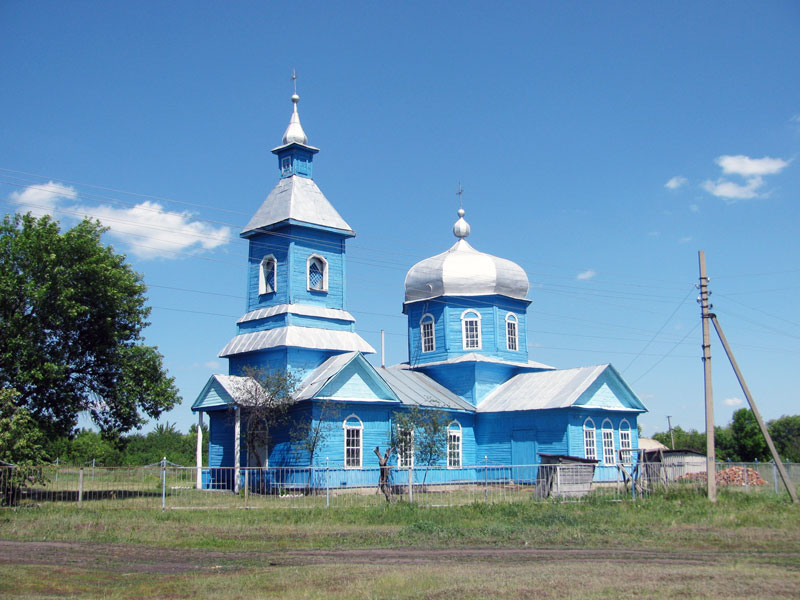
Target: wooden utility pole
<point>711,471</point>
<point>784,475</point>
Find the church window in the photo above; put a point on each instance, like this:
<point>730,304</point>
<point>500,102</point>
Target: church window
<point>405,449</point>
<point>454,445</point>
<point>511,331</point>
<point>286,165</point>
<point>267,275</point>
<point>426,327</point>
<point>625,442</point>
<point>589,442</point>
<point>471,330</point>
<point>353,428</point>
<point>609,457</point>
<point>317,269</point>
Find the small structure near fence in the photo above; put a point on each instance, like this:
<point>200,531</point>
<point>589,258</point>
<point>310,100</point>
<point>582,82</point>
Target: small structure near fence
<point>666,466</point>
<point>564,476</point>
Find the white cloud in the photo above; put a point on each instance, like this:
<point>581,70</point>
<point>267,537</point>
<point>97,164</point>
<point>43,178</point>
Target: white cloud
<point>211,365</point>
<point>733,401</point>
<point>684,240</point>
<point>722,188</point>
<point>42,199</point>
<point>752,170</point>
<point>154,232</point>
<point>146,229</point>
<point>748,167</point>
<point>694,208</point>
<point>587,274</point>
<point>676,182</point>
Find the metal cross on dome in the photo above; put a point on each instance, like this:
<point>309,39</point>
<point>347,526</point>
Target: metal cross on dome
<point>459,193</point>
<point>294,80</point>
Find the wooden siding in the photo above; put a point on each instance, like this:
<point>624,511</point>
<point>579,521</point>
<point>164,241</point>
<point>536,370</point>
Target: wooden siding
<point>355,382</point>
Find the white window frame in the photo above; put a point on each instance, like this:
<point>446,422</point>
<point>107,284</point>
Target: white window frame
<point>405,455</point>
<point>351,425</point>
<point>609,449</point>
<point>455,430</point>
<point>625,446</point>
<point>323,264</point>
<point>512,323</point>
<point>262,274</point>
<point>470,319</point>
<point>427,319</point>
<point>589,439</point>
<point>286,165</point>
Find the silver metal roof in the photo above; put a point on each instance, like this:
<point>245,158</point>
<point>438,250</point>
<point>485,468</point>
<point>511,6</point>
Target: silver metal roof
<point>475,357</point>
<point>297,309</point>
<point>464,271</point>
<point>243,390</point>
<point>317,379</point>
<point>300,199</point>
<point>302,337</point>
<point>417,389</point>
<point>294,132</point>
<point>559,388</point>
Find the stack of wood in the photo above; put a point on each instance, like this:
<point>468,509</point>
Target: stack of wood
<point>729,476</point>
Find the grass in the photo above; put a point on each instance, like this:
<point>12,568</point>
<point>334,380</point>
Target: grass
<point>673,545</point>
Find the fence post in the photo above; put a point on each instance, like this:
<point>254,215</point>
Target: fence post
<point>80,487</point>
<point>57,469</point>
<point>246,485</point>
<point>411,482</point>
<point>775,475</point>
<point>486,479</point>
<point>92,470</point>
<point>163,483</point>
<point>327,483</point>
<point>746,483</point>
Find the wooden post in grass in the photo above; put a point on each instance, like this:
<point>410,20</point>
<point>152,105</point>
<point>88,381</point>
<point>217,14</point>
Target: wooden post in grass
<point>80,487</point>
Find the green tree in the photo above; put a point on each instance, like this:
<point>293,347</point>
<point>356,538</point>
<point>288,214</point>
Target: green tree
<point>421,432</point>
<point>748,440</point>
<point>71,319</point>
<point>21,445</point>
<point>684,440</point>
<point>785,434</point>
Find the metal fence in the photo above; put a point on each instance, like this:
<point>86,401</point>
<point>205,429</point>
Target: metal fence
<point>165,485</point>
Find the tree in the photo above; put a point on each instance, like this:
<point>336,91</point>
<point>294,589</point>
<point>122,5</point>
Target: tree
<point>21,445</point>
<point>266,398</point>
<point>71,318</point>
<point>422,432</point>
<point>785,434</point>
<point>748,440</point>
<point>684,440</point>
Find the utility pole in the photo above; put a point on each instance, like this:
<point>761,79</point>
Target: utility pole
<point>671,436</point>
<point>711,474</point>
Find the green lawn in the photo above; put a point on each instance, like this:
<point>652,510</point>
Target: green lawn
<point>676,545</point>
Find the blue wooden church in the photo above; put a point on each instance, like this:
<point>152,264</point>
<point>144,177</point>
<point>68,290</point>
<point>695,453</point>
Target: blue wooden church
<point>467,348</point>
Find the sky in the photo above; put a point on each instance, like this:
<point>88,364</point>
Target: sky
<point>599,145</point>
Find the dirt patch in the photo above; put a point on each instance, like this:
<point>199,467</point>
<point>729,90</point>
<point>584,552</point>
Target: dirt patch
<point>134,558</point>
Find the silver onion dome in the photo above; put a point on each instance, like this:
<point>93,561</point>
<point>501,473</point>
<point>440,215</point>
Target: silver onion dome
<point>294,132</point>
<point>464,271</point>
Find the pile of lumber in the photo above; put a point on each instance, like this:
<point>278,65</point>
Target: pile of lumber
<point>729,476</point>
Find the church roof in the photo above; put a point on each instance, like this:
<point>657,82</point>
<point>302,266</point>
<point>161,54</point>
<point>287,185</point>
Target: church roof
<point>297,309</point>
<point>559,388</point>
<point>417,389</point>
<point>464,271</point>
<point>475,357</point>
<point>299,337</point>
<point>296,199</point>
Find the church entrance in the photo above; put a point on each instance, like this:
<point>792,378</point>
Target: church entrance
<point>523,455</point>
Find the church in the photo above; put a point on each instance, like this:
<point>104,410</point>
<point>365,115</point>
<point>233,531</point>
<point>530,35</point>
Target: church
<point>467,355</point>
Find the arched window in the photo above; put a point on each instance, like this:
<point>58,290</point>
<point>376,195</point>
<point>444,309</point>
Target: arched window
<point>426,331</point>
<point>471,330</point>
<point>454,445</point>
<point>609,457</point>
<point>589,441</point>
<point>317,270</point>
<point>625,442</point>
<point>267,275</point>
<point>511,331</point>
<point>353,429</point>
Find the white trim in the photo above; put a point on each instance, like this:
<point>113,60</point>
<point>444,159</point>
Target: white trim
<point>460,433</point>
<point>348,427</point>
<point>512,318</point>
<point>422,323</point>
<point>324,264</point>
<point>609,450</point>
<point>262,276</point>
<point>588,427</point>
<point>405,456</point>
<point>625,442</point>
<point>464,321</point>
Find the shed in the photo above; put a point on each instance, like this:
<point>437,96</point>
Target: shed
<point>564,476</point>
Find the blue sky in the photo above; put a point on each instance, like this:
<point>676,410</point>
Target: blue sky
<point>600,146</point>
